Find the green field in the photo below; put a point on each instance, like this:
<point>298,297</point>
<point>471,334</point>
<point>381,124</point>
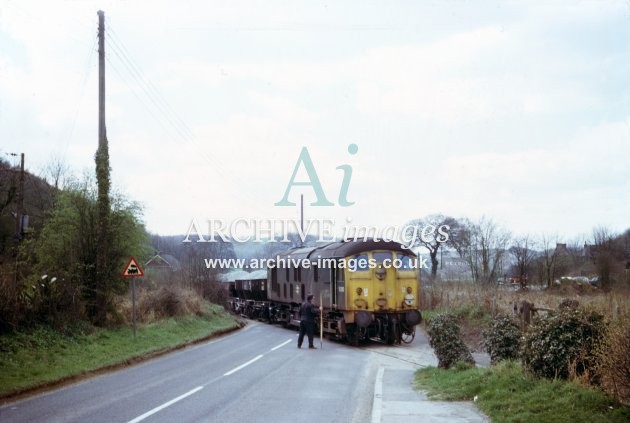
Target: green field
<point>42,356</point>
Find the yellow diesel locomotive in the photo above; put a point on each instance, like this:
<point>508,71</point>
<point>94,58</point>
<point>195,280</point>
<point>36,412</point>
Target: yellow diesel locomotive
<point>368,289</point>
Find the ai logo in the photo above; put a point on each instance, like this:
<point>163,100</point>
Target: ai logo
<point>313,181</point>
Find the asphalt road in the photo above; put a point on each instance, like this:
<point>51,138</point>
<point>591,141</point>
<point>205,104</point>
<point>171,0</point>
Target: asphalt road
<point>253,375</point>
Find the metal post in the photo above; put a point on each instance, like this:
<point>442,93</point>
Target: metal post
<point>302,220</point>
<point>133,305</point>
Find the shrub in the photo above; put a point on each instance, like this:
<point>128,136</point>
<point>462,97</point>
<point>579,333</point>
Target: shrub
<point>614,362</point>
<point>213,292</point>
<point>568,303</point>
<point>171,301</point>
<point>446,341</point>
<point>12,303</point>
<point>563,343</point>
<point>502,339</point>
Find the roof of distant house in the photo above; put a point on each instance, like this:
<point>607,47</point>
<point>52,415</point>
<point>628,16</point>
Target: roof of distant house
<point>163,261</point>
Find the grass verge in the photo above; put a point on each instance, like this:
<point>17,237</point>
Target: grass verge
<point>507,394</point>
<point>43,356</point>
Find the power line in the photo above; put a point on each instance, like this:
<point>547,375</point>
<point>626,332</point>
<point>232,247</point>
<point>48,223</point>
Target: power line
<point>153,94</point>
<point>162,107</point>
<point>86,74</point>
<point>169,130</point>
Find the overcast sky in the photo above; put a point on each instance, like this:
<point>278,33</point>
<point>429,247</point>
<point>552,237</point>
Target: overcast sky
<point>519,111</point>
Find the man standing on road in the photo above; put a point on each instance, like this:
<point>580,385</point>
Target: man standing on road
<point>307,321</point>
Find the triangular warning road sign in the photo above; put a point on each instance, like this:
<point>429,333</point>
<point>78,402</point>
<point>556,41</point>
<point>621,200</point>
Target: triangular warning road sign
<point>132,269</point>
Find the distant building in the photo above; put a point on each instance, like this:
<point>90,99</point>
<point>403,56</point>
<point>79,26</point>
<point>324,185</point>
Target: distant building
<point>452,267</point>
<point>561,249</point>
<point>163,263</point>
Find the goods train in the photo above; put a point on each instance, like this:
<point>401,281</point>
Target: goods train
<point>367,289</point>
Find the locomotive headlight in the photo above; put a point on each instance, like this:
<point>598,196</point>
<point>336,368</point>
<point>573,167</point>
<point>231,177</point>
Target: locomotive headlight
<point>409,298</point>
<point>359,291</point>
<point>409,290</point>
<point>380,272</point>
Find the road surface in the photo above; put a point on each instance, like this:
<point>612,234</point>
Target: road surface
<point>253,375</point>
<point>256,374</point>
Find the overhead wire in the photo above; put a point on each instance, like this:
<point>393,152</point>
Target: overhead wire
<point>86,74</point>
<point>166,111</point>
<point>77,26</point>
<point>148,95</point>
<point>173,133</point>
<point>162,105</point>
<point>168,129</point>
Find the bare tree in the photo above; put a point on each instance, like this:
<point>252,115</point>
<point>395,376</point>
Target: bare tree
<point>606,252</point>
<point>523,255</point>
<point>482,245</point>
<point>575,249</point>
<point>56,172</point>
<point>549,259</point>
<point>429,234</point>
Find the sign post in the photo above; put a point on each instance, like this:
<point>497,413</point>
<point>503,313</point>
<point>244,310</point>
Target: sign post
<point>133,270</point>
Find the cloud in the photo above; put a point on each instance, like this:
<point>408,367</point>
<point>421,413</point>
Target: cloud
<point>554,184</point>
<point>502,109</point>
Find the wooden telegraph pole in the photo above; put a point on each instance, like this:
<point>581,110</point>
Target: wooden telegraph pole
<point>19,212</point>
<point>102,180</point>
<point>101,79</point>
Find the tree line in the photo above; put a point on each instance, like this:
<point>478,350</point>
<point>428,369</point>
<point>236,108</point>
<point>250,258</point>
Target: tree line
<point>51,275</point>
<point>490,252</point>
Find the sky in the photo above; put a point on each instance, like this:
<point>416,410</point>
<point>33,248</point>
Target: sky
<point>517,111</point>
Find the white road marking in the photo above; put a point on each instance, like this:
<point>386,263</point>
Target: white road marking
<point>198,388</point>
<point>236,369</point>
<point>281,345</point>
<point>166,404</point>
<point>377,404</point>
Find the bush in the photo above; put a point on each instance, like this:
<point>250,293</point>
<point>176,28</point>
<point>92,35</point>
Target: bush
<point>446,341</point>
<point>614,362</point>
<point>568,303</point>
<point>502,339</point>
<point>563,343</point>
<point>164,302</point>
<point>213,292</point>
<point>12,304</point>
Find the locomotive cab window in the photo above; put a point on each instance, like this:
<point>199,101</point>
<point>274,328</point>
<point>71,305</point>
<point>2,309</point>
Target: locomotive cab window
<point>381,256</point>
<point>358,263</point>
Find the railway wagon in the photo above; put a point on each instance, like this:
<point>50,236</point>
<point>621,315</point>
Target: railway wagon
<point>247,292</point>
<point>367,289</point>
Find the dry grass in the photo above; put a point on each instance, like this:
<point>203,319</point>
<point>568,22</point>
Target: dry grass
<point>614,361</point>
<point>161,303</point>
<point>501,299</point>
